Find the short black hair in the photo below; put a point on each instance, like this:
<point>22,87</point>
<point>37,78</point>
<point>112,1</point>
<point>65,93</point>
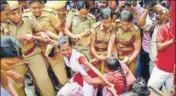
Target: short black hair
<point>4,4</point>
<point>140,87</point>
<point>10,47</point>
<point>112,63</point>
<point>126,15</point>
<point>83,4</point>
<point>64,40</point>
<point>106,13</point>
<point>38,1</point>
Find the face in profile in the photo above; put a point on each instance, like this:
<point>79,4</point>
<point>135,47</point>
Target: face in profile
<point>161,13</point>
<point>4,14</point>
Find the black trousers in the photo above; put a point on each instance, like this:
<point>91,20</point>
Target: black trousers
<point>145,59</point>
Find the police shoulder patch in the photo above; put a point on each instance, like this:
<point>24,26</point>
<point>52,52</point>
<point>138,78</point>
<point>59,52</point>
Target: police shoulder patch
<point>91,16</point>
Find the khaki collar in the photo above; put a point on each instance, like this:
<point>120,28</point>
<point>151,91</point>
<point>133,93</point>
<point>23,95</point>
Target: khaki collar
<point>15,24</point>
<point>102,29</point>
<point>42,15</point>
<point>77,14</point>
<point>131,28</point>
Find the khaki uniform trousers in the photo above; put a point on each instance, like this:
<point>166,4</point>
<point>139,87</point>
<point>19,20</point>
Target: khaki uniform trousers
<point>131,65</point>
<point>85,50</point>
<point>101,65</point>
<point>35,63</point>
<point>59,68</point>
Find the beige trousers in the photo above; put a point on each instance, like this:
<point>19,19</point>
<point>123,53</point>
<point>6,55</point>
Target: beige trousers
<point>59,67</point>
<point>35,64</point>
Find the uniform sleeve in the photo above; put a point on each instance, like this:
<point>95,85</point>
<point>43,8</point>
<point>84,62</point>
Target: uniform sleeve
<point>137,36</point>
<point>55,22</point>
<point>37,27</point>
<point>93,35</point>
<point>114,29</point>
<point>69,18</point>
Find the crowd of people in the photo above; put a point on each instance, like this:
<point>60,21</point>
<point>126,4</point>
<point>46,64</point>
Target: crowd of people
<point>88,47</point>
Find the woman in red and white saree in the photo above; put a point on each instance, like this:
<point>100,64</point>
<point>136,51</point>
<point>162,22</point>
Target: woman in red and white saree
<point>77,62</point>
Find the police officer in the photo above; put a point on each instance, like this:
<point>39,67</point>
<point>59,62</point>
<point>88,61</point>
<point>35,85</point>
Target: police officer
<point>27,32</point>
<point>101,33</point>
<point>128,40</point>
<point>49,22</point>
<point>5,9</point>
<point>58,8</point>
<point>79,22</point>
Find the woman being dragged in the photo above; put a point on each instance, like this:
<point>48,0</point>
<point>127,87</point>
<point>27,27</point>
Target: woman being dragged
<point>83,69</point>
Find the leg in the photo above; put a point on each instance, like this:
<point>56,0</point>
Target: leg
<point>145,65</point>
<point>59,68</point>
<point>39,73</point>
<point>170,82</point>
<point>19,87</point>
<point>151,65</point>
<point>158,78</point>
<point>132,66</point>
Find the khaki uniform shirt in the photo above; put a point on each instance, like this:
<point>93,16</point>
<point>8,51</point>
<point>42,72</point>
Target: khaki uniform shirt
<point>47,20</point>
<point>62,20</point>
<point>126,39</point>
<point>101,37</point>
<point>27,26</point>
<point>78,26</point>
<point>4,29</point>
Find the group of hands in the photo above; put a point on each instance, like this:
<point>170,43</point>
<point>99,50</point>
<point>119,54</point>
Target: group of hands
<point>45,38</point>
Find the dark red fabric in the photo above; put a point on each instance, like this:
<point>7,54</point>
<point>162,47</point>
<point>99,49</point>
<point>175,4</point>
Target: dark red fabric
<point>78,77</point>
<point>173,7</point>
<point>117,79</point>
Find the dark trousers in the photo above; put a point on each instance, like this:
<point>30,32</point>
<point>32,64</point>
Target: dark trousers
<point>145,59</point>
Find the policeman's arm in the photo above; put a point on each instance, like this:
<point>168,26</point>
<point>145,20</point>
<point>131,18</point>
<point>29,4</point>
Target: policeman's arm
<point>67,31</point>
<point>92,44</point>
<point>52,35</point>
<point>142,19</point>
<point>68,26</point>
<point>41,34</point>
<point>111,43</point>
<point>137,47</point>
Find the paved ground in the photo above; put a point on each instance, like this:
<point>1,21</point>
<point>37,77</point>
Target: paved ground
<point>29,89</point>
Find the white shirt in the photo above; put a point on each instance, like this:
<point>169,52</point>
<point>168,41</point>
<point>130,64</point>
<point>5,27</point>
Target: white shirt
<point>74,64</point>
